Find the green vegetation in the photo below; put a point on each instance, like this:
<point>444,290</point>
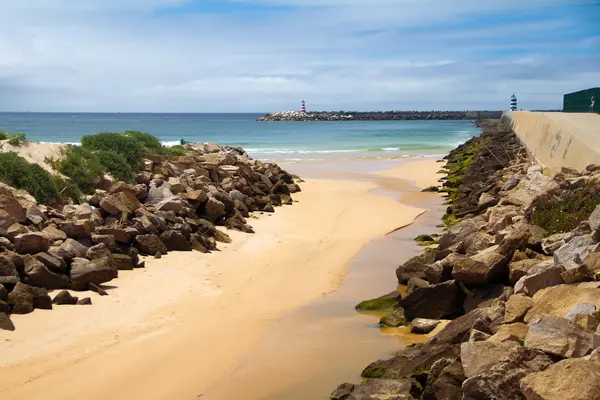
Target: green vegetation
<point>426,240</point>
<point>3,135</point>
<point>81,166</point>
<point>17,139</point>
<point>373,372</point>
<point>116,165</point>
<point>561,210</point>
<point>388,302</point>
<point>127,146</point>
<point>17,172</point>
<point>176,151</point>
<point>433,189</point>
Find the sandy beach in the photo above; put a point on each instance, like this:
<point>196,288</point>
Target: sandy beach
<point>174,328</point>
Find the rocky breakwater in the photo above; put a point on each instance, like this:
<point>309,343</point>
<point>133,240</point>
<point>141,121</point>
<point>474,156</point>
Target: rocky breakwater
<point>378,115</point>
<point>175,204</point>
<point>517,274</point>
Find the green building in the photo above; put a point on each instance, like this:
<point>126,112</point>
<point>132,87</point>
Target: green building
<point>582,101</point>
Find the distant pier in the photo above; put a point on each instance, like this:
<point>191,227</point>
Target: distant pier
<point>379,115</point>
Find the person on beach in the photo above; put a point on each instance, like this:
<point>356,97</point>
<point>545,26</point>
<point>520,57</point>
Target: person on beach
<point>593,103</point>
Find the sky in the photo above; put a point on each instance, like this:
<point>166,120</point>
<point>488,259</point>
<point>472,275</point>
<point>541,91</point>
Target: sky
<point>268,55</point>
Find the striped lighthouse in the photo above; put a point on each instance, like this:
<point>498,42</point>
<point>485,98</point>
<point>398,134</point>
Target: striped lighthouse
<point>303,108</point>
<point>513,103</point>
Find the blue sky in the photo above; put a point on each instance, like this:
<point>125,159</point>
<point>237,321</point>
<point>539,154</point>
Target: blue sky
<point>264,55</point>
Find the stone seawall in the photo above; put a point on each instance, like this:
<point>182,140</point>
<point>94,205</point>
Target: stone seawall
<point>558,140</point>
<point>379,115</point>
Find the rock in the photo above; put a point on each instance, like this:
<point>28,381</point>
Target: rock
<point>510,332</point>
<point>54,234</point>
<point>172,204</point>
<point>477,242</point>
<point>559,336</point>
<point>458,233</point>
<point>588,322</point>
<point>97,289</point>
<point>31,243</point>
<point>77,229</point>
<point>64,297</point>
<point>483,268</point>
<point>418,357</point>
<point>486,200</point>
<point>108,240</point>
<point>24,298</point>
<point>478,336</point>
<point>394,320</point>
<point>558,300</point>
<point>8,271</point>
<point>196,197</point>
<point>84,272</point>
<point>214,209</point>
<point>98,251</point>
<point>443,300</point>
<point>11,207</point>
<point>73,248</point>
<point>407,271</point>
<point>121,235</point>
<point>415,283</point>
<point>388,302</point>
<point>86,301</point>
<point>446,385</point>
<point>174,240</point>
<point>518,269</point>
<point>581,308</point>
<point>3,292</point>
<point>483,296</point>
<point>500,381</point>
<point>574,379</point>
<point>150,244</point>
<point>554,242</point>
<point>15,230</point>
<point>122,262</point>
<point>516,308</point>
<point>121,202</point>
<point>342,392</point>
<point>594,219</point>
<point>542,276</point>
<point>379,389</point>
<point>576,250</point>
<point>53,262</point>
<point>478,357</point>
<point>441,270</point>
<point>35,215</point>
<point>37,274</point>
<point>5,323</point>
<point>423,325</point>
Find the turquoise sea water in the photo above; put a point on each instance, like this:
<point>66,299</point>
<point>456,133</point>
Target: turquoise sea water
<point>267,140</point>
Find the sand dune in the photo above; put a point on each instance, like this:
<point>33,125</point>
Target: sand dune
<point>174,328</point>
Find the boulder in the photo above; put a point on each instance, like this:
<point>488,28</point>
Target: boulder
<point>64,297</point>
<point>592,262</point>
<point>574,379</point>
<point>214,209</point>
<point>477,242</point>
<point>84,272</point>
<point>35,214</point>
<point>108,240</point>
<point>511,332</point>
<point>415,283</point>
<point>594,219</point>
<point>86,301</point>
<point>122,262</point>
<point>554,242</point>
<point>31,243</point>
<point>458,233</point>
<point>441,270</point>
<point>581,308</point>
<point>121,202</point>
<point>423,325</point>
<point>518,269</point>
<point>8,271</point>
<point>478,357</point>
<point>500,380</point>
<point>447,384</point>
<point>54,234</point>
<point>376,389</point>
<point>5,323</point>
<point>558,300</point>
<point>485,267</point>
<point>24,298</point>
<point>484,296</point>
<point>394,320</point>
<point>559,336</point>
<point>542,276</point>
<point>414,270</point>
<point>443,300</point>
<point>388,302</point>
<point>174,240</point>
<point>575,250</point>
<point>37,274</point>
<point>516,308</point>
<point>77,229</point>
<point>3,292</point>
<point>73,248</point>
<point>171,204</point>
<point>98,251</point>
<point>150,244</point>
<point>121,235</point>
<point>53,262</point>
<point>156,193</point>
<point>11,207</point>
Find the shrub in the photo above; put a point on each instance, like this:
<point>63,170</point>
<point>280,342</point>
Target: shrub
<point>149,144</point>
<point>561,210</point>
<point>175,151</point>
<point>82,166</point>
<point>121,144</point>
<point>17,172</point>
<point>3,135</point>
<point>17,139</point>
<point>116,165</point>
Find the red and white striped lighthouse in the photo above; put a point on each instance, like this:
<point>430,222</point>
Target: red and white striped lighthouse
<point>303,109</point>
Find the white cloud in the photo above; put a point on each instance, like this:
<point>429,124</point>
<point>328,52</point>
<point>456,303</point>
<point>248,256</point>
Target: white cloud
<point>136,55</point>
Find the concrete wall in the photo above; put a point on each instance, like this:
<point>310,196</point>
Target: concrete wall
<point>559,139</point>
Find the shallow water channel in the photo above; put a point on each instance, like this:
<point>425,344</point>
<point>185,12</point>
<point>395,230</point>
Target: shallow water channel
<point>306,354</point>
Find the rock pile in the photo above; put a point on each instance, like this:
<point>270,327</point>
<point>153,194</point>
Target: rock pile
<point>173,206</point>
<point>378,115</point>
<point>523,301</point>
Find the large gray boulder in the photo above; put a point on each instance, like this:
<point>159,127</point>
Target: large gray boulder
<point>31,243</point>
<point>485,267</point>
<point>576,250</point>
<point>150,245</point>
<point>84,272</point>
<point>443,300</point>
<point>174,240</point>
<point>73,248</point>
<point>540,277</point>
<point>24,298</point>
<point>37,274</point>
<point>560,336</point>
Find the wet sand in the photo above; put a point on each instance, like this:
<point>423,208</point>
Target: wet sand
<point>310,351</point>
<point>178,327</point>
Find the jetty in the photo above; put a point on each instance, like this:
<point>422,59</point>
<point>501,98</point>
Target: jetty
<point>378,115</point>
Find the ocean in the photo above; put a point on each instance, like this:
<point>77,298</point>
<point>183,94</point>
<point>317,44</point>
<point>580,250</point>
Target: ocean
<point>265,140</point>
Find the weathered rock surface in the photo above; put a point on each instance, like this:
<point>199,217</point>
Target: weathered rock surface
<point>37,274</point>
<point>423,325</point>
<point>516,308</point>
<point>84,272</point>
<point>560,336</point>
<point>64,297</point>
<point>439,301</point>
